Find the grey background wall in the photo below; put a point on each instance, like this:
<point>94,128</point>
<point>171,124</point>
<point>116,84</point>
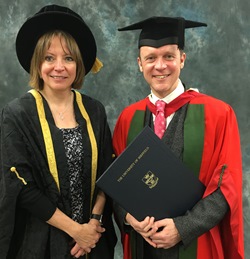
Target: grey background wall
<point>217,57</point>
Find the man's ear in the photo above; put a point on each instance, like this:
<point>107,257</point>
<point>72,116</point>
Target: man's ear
<point>139,64</point>
<point>183,58</point>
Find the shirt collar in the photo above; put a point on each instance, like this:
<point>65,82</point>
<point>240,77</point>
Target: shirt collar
<point>177,91</point>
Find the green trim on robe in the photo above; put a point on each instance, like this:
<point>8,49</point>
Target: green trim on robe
<point>136,125</point>
<point>194,130</point>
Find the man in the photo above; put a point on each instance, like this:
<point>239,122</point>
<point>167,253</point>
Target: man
<point>203,132</point>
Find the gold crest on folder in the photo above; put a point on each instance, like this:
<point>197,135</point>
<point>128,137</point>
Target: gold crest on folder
<point>150,179</point>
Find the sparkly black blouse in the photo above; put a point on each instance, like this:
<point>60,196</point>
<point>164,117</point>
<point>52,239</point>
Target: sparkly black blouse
<point>72,139</point>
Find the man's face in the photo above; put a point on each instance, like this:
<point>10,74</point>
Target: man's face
<point>161,67</point>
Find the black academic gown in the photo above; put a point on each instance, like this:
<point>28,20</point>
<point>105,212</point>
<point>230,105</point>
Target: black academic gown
<point>23,235</point>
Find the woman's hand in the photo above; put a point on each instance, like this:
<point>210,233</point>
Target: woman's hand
<point>77,251</point>
<point>85,235</point>
<point>87,238</point>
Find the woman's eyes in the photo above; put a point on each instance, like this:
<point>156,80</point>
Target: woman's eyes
<point>51,58</point>
<point>69,58</point>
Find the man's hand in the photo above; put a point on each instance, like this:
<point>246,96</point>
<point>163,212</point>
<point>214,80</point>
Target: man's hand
<point>145,228</point>
<point>168,236</point>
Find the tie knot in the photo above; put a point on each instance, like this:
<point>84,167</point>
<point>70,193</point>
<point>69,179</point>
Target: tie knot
<point>160,106</point>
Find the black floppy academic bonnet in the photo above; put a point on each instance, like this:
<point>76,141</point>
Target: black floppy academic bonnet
<point>54,17</point>
<point>159,31</point>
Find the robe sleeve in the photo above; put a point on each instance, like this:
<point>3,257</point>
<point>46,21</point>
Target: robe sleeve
<point>16,170</point>
<point>222,166</point>
<point>206,214</point>
<point>11,182</point>
<point>33,200</point>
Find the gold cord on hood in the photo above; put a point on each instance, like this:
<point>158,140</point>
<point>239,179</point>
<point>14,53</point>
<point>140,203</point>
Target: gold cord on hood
<point>97,66</point>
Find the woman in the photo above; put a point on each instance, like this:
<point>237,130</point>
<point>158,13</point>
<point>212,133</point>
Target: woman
<point>55,142</point>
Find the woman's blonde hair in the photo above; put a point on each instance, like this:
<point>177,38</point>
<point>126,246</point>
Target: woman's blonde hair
<point>42,46</point>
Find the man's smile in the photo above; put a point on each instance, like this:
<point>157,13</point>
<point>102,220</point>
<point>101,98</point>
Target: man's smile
<point>161,76</point>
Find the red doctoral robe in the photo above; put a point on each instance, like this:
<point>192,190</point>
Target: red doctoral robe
<point>221,148</point>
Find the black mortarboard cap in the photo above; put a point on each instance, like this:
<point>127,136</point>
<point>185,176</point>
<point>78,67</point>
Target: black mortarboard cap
<point>159,31</point>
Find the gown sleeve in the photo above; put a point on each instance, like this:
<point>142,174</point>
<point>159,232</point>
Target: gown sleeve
<point>206,214</point>
<point>33,200</point>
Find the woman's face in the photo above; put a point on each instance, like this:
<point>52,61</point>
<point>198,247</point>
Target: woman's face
<point>58,69</point>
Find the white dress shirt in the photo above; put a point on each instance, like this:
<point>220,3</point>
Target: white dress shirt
<point>178,91</point>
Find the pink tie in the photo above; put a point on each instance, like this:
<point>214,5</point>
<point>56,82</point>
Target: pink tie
<point>160,121</point>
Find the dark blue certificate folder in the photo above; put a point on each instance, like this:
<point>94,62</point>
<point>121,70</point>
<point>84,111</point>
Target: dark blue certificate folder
<point>147,179</point>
